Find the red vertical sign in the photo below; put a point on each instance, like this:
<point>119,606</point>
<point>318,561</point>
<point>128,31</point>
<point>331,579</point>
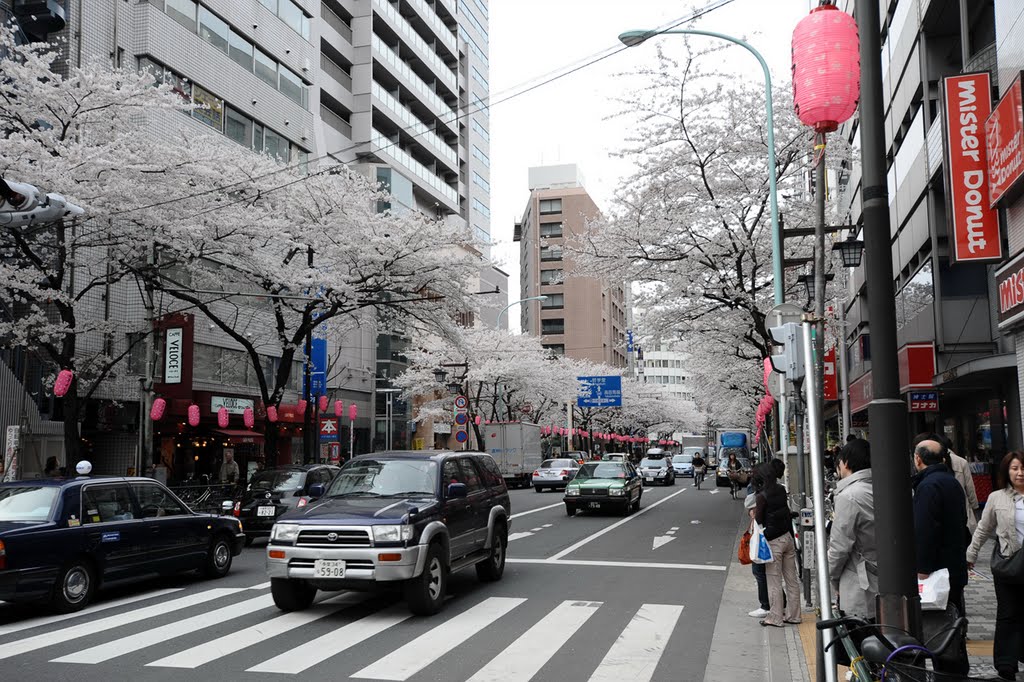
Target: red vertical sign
<point>1004,139</point>
<point>830,383</point>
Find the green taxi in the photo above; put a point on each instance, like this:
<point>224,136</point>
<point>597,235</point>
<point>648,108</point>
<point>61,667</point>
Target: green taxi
<point>599,485</point>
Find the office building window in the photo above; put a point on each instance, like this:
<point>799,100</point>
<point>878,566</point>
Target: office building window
<point>555,348</point>
<point>481,207</point>
<point>551,276</point>
<point>480,129</point>
<point>293,87</point>
<point>210,109</point>
<point>549,253</point>
<point>551,229</point>
<point>553,301</point>
<point>240,50</point>
<point>238,127</point>
<point>213,29</point>
<point>183,12</point>
<point>270,4</point>
<point>479,181</point>
<point>549,206</point>
<point>266,68</point>
<point>552,326</point>
<point>275,145</point>
<point>293,15</point>
<point>481,157</point>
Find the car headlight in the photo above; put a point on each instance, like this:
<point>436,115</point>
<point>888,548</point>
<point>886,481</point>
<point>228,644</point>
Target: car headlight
<point>572,492</point>
<point>616,491</point>
<point>392,533</point>
<point>284,532</point>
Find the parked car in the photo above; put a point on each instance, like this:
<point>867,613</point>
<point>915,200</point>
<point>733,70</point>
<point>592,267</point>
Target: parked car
<point>554,473</point>
<point>61,539</point>
<point>393,518</point>
<point>272,492</point>
<point>657,470</point>
<point>683,465</point>
<point>600,485</point>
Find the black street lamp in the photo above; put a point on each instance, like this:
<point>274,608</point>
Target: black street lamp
<point>810,280</point>
<point>850,250</point>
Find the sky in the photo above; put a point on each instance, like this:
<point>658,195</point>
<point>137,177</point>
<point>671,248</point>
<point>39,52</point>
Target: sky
<point>572,119</point>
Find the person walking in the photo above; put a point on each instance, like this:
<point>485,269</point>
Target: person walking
<point>772,512</point>
<point>852,550</point>
<point>229,469</point>
<point>1004,518</point>
<point>940,518</point>
<point>760,575</point>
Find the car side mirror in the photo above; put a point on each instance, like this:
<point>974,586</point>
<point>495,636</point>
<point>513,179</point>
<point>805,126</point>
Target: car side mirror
<point>316,490</point>
<point>456,490</point>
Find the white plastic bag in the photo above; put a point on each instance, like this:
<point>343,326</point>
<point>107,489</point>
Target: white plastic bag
<point>934,590</point>
<point>760,550</point>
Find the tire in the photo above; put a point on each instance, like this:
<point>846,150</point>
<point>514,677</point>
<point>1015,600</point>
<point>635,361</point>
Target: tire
<point>627,508</point>
<point>570,509</point>
<point>218,559</point>
<point>291,595</point>
<point>74,587</point>
<point>538,489</point>
<point>636,505</point>
<point>425,593</point>
<point>491,569</point>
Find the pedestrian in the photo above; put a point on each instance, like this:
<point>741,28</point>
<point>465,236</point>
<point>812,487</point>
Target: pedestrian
<point>760,576</point>
<point>1004,518</point>
<point>229,469</point>
<point>772,512</point>
<point>852,550</point>
<point>52,468</point>
<point>939,521</point>
<point>961,470</point>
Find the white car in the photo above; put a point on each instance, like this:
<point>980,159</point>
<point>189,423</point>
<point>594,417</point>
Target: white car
<point>555,473</point>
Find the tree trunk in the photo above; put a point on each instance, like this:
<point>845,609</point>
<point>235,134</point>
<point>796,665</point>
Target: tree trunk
<point>72,438</point>
<point>271,442</point>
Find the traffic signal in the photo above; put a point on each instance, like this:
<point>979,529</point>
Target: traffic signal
<point>791,359</point>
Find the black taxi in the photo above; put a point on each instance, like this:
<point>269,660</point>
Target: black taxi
<point>61,538</point>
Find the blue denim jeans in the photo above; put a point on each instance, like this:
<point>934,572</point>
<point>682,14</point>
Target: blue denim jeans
<point>761,577</point>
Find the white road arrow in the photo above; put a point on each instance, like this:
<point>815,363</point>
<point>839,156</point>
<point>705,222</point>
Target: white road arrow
<point>660,540</point>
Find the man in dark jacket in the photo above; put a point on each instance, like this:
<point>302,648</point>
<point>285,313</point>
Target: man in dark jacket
<point>939,520</point>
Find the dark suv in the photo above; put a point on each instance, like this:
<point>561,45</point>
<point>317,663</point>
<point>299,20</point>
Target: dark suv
<point>272,492</point>
<point>390,518</point>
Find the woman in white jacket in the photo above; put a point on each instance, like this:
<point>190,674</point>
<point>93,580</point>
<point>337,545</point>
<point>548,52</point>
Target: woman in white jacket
<point>1004,518</point>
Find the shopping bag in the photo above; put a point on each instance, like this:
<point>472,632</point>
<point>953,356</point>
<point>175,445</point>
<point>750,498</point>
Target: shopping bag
<point>743,552</point>
<point>934,590</point>
<point>760,552</point>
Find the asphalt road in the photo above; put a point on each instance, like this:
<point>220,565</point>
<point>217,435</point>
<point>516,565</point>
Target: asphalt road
<point>594,597</point>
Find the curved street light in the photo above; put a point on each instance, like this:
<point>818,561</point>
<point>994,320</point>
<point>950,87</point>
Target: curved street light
<point>513,303</point>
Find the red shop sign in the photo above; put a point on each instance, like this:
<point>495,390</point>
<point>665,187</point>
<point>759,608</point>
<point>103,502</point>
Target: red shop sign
<point>1004,138</point>
<point>829,370</point>
<point>917,366</point>
<point>973,224</point>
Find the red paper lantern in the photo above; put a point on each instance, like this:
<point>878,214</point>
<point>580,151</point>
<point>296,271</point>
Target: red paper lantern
<point>63,382</point>
<point>352,412</point>
<point>339,408</point>
<point>826,68</point>
<point>156,412</point>
<point>193,415</point>
<point>271,414</point>
<point>323,403</point>
<point>222,417</point>
<point>302,405</point>
<point>248,418</point>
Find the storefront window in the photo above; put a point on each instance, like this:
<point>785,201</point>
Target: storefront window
<point>915,297</point>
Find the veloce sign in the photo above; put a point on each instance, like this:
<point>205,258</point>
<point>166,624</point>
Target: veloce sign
<point>973,224</point>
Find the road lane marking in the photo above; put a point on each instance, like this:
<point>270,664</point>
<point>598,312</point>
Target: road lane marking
<point>660,540</point>
<point>589,538</point>
<point>305,656</point>
<point>713,492</point>
<point>520,535</point>
<point>57,637</point>
<point>636,652</point>
<point>674,528</point>
<point>616,564</point>
<point>141,640</point>
<point>534,511</point>
<point>236,641</point>
<point>546,525</point>
<point>413,657</point>
<point>536,530</point>
<point>261,586</point>
<point>525,657</point>
<point>103,606</point>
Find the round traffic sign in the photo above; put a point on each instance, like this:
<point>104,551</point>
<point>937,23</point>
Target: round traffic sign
<point>461,418</point>
<point>461,436</point>
<point>461,401</point>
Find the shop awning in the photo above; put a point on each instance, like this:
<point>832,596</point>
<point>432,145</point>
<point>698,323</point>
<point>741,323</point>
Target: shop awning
<point>240,433</point>
<point>980,373</point>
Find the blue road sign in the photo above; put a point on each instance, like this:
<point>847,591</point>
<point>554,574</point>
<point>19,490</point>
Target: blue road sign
<point>629,340</point>
<point>600,391</point>
<point>317,367</point>
<point>461,436</point>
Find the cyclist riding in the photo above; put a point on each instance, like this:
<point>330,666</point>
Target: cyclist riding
<point>699,468</point>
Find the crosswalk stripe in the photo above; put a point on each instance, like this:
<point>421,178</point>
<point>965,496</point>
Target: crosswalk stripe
<point>57,637</point>
<point>519,536</point>
<point>527,655</point>
<point>408,660</point>
<point>126,645</point>
<point>236,641</point>
<point>102,606</point>
<point>636,652</point>
<point>315,651</point>
<point>261,586</point>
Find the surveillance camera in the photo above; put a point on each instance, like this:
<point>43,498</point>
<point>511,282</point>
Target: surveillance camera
<point>212,326</point>
<point>288,51</point>
<point>255,25</point>
<point>287,122</point>
<point>254,101</point>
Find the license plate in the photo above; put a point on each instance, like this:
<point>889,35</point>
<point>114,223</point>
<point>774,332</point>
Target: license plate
<point>594,505</point>
<point>266,511</point>
<point>328,568</point>
<point>649,479</point>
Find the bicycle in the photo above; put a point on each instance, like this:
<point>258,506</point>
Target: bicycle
<point>698,476</point>
<point>896,657</point>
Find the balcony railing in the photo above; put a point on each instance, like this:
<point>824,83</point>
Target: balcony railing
<point>427,52</point>
<point>440,30</point>
<point>385,145</point>
<point>983,60</point>
<point>444,112</point>
<point>415,126</point>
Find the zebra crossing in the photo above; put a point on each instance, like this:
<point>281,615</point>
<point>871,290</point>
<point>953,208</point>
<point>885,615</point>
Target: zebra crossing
<point>237,633</point>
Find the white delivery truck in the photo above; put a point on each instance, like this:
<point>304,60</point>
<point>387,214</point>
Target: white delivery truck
<point>515,446</point>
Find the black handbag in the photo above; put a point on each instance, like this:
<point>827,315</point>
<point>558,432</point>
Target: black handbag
<point>1008,569</point>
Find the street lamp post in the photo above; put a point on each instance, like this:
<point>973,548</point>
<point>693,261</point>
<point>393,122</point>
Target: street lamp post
<point>513,303</point>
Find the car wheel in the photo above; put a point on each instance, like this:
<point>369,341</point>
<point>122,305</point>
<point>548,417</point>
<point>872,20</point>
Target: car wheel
<point>570,509</point>
<point>636,505</point>
<point>218,559</point>
<point>75,585</point>
<point>491,569</point>
<point>291,595</point>
<point>425,593</point>
<point>627,508</point>
<point>538,489</point>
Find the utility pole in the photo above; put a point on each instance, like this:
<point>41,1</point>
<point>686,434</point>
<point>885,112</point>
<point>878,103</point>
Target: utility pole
<point>308,442</point>
<point>145,449</point>
<point>898,600</point>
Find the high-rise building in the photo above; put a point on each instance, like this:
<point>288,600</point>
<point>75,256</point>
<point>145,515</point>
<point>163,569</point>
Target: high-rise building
<point>582,317</point>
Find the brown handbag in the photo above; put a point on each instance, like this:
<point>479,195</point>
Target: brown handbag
<point>743,552</point>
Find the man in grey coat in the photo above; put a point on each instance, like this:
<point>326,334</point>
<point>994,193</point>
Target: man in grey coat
<point>851,545</point>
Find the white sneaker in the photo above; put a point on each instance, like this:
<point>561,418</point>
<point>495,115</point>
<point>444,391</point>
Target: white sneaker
<point>758,613</point>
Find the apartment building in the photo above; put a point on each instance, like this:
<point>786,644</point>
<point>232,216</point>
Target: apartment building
<point>661,365</point>
<point>582,317</point>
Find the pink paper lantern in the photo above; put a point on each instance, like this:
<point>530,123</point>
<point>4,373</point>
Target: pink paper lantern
<point>302,405</point>
<point>222,417</point>
<point>63,382</point>
<point>272,414</point>
<point>826,68</point>
<point>248,418</point>
<point>767,372</point>
<point>352,412</point>
<point>339,408</point>
<point>156,412</point>
<point>193,415</point>
<point>476,420</point>
<point>322,403</point>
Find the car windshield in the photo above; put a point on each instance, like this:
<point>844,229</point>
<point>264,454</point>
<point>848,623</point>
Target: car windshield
<point>27,503</point>
<point>278,481</point>
<point>601,470</point>
<point>385,478</point>
<point>682,459</point>
<point>556,464</point>
<point>652,463</point>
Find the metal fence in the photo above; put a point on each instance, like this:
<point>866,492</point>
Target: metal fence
<point>207,499</point>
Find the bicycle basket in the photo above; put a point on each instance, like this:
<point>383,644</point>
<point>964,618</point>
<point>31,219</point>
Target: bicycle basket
<point>901,672</point>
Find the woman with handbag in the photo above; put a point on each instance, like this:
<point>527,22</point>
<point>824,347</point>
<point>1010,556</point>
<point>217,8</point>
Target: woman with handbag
<point>771,510</point>
<point>1004,518</point>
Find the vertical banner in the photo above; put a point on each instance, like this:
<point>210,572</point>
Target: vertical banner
<point>177,333</point>
<point>829,380</point>
<point>973,223</point>
<point>1004,139</point>
<point>11,449</point>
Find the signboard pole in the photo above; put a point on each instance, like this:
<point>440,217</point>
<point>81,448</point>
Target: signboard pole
<point>144,453</point>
